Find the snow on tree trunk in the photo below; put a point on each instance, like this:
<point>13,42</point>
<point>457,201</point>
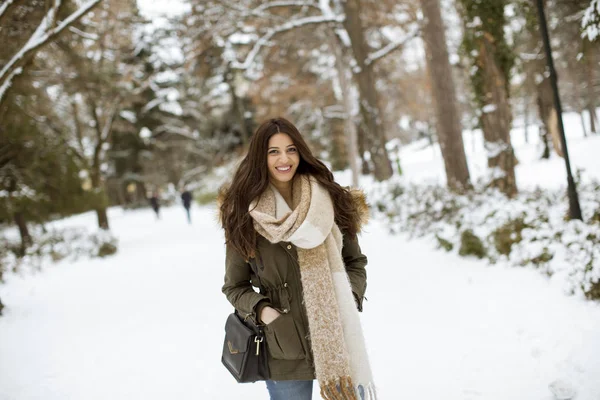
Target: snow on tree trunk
<point>491,62</point>
<point>444,96</point>
<point>496,121</point>
<point>375,139</point>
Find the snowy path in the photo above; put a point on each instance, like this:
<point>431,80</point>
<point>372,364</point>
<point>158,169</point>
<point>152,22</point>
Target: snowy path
<point>148,323</point>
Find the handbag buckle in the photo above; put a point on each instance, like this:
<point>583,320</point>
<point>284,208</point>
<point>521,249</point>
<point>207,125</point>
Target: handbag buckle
<point>258,342</point>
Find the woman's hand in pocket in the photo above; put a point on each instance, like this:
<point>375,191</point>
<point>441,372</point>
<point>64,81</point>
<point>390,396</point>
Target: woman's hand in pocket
<point>268,315</point>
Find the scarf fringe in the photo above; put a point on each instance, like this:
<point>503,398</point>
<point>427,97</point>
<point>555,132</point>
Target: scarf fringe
<point>341,389</point>
<point>370,393</point>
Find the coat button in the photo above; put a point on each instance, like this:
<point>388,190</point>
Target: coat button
<point>285,284</point>
<point>289,246</point>
<point>285,310</point>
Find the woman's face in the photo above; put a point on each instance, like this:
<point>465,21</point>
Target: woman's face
<point>282,159</point>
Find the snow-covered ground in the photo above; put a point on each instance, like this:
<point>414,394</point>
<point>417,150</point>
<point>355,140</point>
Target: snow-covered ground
<point>148,322</point>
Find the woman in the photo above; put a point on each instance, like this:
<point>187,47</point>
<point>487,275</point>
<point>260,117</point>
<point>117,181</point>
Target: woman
<point>291,231</point>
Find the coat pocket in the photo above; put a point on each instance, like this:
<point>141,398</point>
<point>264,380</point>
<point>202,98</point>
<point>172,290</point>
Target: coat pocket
<point>283,339</point>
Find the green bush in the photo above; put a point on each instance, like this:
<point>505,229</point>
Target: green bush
<point>106,249</point>
<point>444,244</point>
<point>543,258</point>
<point>508,234</point>
<point>594,292</point>
<point>471,245</point>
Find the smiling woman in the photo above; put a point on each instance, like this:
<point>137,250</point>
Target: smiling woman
<point>291,231</point>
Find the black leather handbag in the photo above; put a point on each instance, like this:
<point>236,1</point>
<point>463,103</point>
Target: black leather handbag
<point>245,349</point>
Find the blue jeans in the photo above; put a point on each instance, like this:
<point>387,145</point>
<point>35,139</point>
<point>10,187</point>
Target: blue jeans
<point>290,390</point>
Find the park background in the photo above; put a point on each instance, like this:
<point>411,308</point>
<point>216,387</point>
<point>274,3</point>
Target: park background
<point>484,270</point>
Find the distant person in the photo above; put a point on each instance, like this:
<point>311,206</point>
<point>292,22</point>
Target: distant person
<point>284,213</point>
<point>155,203</point>
<point>186,198</point>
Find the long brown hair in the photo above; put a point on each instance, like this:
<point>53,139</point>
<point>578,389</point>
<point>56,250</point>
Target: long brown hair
<point>252,178</point>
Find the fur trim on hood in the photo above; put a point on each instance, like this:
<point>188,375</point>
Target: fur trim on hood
<point>362,207</point>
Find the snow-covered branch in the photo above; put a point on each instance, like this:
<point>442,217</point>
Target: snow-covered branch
<point>85,35</point>
<point>6,84</point>
<point>591,21</point>
<point>293,24</point>
<point>384,51</point>
<point>43,35</point>
<point>4,7</point>
<point>274,4</point>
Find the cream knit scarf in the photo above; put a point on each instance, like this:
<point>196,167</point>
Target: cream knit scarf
<point>341,361</point>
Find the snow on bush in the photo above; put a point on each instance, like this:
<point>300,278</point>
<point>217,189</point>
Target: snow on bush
<point>530,230</point>
<point>53,246</point>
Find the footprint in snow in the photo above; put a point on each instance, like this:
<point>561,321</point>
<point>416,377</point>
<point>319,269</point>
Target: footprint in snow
<point>562,390</point>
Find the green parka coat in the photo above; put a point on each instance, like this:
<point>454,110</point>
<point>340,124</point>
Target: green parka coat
<point>279,286</point>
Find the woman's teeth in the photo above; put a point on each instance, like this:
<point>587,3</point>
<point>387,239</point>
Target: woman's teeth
<point>284,169</point>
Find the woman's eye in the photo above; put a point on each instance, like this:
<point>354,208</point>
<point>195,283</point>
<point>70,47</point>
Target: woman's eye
<point>292,150</point>
<point>273,152</point>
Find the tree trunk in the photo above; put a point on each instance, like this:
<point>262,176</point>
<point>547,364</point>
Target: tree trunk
<point>496,121</point>
<point>554,132</point>
<point>449,127</point>
<point>23,231</point>
<point>375,139</point>
<point>349,126</point>
<point>591,103</point>
<point>141,192</point>
<point>526,120</point>
<point>543,132</point>
<point>592,114</point>
<point>583,127</point>
<point>237,105</point>
<point>548,114</point>
<point>101,201</point>
<point>365,167</point>
<point>102,218</point>
<point>580,107</point>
